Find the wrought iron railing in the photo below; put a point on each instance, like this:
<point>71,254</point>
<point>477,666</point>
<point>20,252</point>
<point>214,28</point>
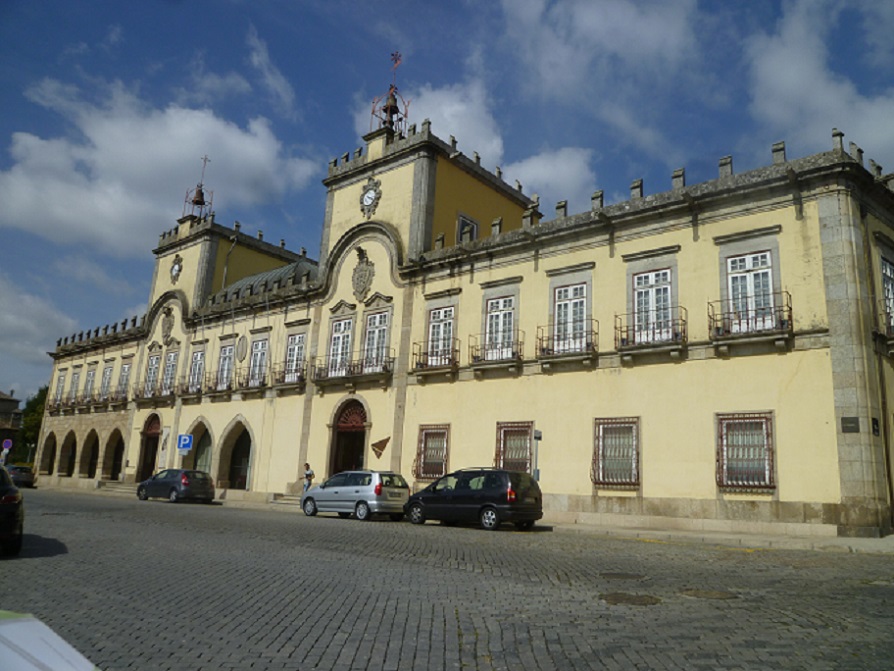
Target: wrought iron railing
<point>441,354</point>
<point>578,337</point>
<point>751,315</point>
<point>377,362</point>
<point>650,328</point>
<point>489,348</point>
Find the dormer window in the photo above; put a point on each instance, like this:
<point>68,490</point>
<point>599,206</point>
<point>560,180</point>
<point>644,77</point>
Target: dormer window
<point>466,230</point>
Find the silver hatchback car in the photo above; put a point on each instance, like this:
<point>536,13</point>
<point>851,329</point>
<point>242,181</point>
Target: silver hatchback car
<point>361,493</point>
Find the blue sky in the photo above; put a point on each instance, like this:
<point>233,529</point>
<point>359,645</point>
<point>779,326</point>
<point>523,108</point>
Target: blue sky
<point>108,107</point>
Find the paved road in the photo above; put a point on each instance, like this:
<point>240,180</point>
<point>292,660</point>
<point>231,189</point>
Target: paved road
<point>189,587</point>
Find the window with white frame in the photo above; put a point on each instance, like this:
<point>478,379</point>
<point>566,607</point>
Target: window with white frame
<point>294,357</point>
<point>652,306</point>
<point>745,450</point>
<point>376,340</point>
<point>151,375</point>
<point>196,371</point>
<point>616,452</point>
<point>75,385</point>
<point>106,383</point>
<point>340,347</point>
<point>500,334</point>
<point>257,372</point>
<point>431,455</point>
<point>570,313</point>
<point>440,336</point>
<point>124,379</point>
<point>60,387</point>
<point>88,383</point>
<point>225,367</point>
<point>750,279</point>
<point>466,230</point>
<point>514,441</point>
<point>170,374</point>
<point>888,292</point>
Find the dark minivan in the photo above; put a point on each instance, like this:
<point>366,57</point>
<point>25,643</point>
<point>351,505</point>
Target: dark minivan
<point>176,484</point>
<point>487,496</point>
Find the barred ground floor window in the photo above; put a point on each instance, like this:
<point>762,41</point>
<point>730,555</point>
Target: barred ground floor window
<point>432,451</point>
<point>514,446</point>
<point>745,451</point>
<point>616,452</point>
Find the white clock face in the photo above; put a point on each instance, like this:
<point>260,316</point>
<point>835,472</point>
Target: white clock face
<point>369,196</point>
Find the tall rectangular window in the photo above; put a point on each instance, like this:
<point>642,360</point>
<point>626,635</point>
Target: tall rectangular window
<point>440,336</point>
<point>152,375</point>
<point>745,450</point>
<point>88,383</point>
<point>225,367</point>
<point>123,380</point>
<point>570,312</point>
<point>514,441</point>
<point>170,374</point>
<point>616,452</point>
<point>340,347</point>
<point>257,374</point>
<point>75,385</point>
<point>500,334</point>
<point>750,278</point>
<point>60,387</point>
<point>294,357</point>
<point>376,340</point>
<point>431,455</point>
<point>106,383</point>
<point>652,306</point>
<point>196,371</point>
<point>888,292</point>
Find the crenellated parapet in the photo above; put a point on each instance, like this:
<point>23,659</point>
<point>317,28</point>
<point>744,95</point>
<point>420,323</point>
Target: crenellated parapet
<point>104,336</point>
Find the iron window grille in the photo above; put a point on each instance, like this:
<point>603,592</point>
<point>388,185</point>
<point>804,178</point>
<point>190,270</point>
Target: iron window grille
<point>432,451</point>
<point>745,451</point>
<point>514,446</point>
<point>616,452</point>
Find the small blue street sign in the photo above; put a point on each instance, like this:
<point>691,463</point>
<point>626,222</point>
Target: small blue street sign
<point>184,442</point>
<point>7,444</point>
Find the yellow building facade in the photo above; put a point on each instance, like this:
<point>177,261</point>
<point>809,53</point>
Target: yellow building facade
<point>715,356</point>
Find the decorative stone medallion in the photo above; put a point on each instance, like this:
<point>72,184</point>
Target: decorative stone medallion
<point>364,272</point>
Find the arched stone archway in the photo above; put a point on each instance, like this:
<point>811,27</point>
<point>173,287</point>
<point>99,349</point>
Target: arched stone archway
<point>113,457</point>
<point>234,467</point>
<point>89,456</point>
<point>149,447</point>
<point>48,456</point>
<point>68,455</point>
<point>200,456</point>
<point>349,438</point>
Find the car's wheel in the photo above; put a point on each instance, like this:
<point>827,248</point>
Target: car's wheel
<point>525,525</point>
<point>173,497</point>
<point>489,519</point>
<point>344,515</point>
<point>142,494</point>
<point>396,517</point>
<point>310,508</point>
<point>14,546</point>
<point>415,513</point>
<point>361,512</point>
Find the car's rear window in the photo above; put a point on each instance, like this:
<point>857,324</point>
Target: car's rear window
<point>199,475</point>
<point>523,481</point>
<point>393,480</point>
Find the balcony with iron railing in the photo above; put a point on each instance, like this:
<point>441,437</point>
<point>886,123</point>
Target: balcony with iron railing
<point>365,366</point>
<point>500,351</point>
<point>575,341</point>
<point>284,375</point>
<point>761,318</point>
<point>663,330</point>
<point>436,358</point>
<point>154,392</point>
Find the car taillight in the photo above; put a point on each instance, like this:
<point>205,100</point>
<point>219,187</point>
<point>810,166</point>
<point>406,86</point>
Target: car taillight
<point>510,494</point>
<point>11,498</point>
<point>378,489</point>
<point>184,480</point>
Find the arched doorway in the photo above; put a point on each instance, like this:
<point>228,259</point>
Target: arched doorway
<point>149,448</point>
<point>240,461</point>
<point>48,456</point>
<point>89,456</point>
<point>349,439</point>
<point>113,459</point>
<point>202,456</point>
<point>67,455</point>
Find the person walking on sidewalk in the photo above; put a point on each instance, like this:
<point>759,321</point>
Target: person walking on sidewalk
<point>308,476</point>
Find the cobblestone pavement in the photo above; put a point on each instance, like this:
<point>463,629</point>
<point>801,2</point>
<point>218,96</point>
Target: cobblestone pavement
<point>188,587</point>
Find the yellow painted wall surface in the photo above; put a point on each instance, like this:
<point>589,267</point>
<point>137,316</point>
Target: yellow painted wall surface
<point>243,262</point>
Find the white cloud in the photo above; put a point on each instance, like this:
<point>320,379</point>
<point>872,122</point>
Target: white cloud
<point>563,174</point>
<point>208,87</point>
<point>271,77</point>
<point>29,326</point>
<point>88,271</point>
<point>795,93</point>
<point>116,185</point>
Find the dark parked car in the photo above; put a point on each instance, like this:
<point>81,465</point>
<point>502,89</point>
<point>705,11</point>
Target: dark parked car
<point>361,493</point>
<point>488,496</point>
<point>12,515</point>
<point>22,476</point>
<point>176,484</point>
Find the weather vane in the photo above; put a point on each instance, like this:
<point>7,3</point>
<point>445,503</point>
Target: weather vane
<point>386,109</point>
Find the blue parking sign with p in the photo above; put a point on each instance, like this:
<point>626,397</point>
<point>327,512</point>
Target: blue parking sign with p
<point>184,442</point>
